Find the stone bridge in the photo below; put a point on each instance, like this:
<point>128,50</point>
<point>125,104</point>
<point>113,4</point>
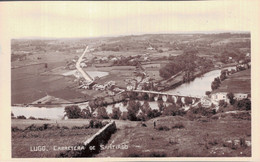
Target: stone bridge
<point>165,96</point>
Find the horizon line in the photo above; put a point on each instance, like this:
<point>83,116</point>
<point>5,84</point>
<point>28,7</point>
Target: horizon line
<point>136,34</point>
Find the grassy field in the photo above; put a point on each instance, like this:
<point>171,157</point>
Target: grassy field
<point>179,137</point>
<point>173,136</point>
<point>238,82</point>
<point>68,134</point>
<point>28,85</point>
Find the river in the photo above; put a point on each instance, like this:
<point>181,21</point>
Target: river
<point>197,87</point>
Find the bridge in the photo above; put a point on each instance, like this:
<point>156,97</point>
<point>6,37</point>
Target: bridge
<point>165,96</point>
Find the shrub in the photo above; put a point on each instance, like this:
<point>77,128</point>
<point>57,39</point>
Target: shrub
<point>116,113</point>
<point>15,129</point>
<point>178,125</point>
<point>32,118</point>
<point>42,119</point>
<point>21,117</point>
<point>85,113</point>
<point>163,128</point>
<point>77,127</point>
<point>65,127</point>
<point>244,104</point>
<point>123,116</point>
<point>102,113</point>
<point>136,153</point>
<point>222,103</point>
<point>95,124</point>
<point>153,114</point>
<point>241,115</point>
<point>188,100</point>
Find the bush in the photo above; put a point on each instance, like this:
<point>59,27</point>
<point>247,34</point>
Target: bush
<point>163,128</point>
<point>136,153</point>
<point>244,104</point>
<point>65,127</point>
<point>102,113</point>
<point>85,113</point>
<point>32,118</point>
<point>178,125</point>
<point>241,115</point>
<point>95,124</point>
<point>123,116</point>
<point>21,117</point>
<point>15,129</point>
<point>222,103</point>
<point>116,113</point>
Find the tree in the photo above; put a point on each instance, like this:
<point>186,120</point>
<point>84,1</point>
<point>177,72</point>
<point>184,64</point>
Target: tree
<point>230,96</point>
<point>153,114</point>
<point>85,113</point>
<point>207,93</point>
<point>188,100</point>
<point>160,105</point>
<point>116,113</point>
<point>223,76</point>
<point>244,104</point>
<point>222,103</point>
<point>179,102</point>
<point>72,112</point>
<point>146,107</point>
<point>102,113</point>
<point>132,109</point>
<point>215,84</point>
<point>170,99</point>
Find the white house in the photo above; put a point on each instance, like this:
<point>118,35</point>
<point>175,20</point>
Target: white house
<point>240,96</point>
<point>83,64</point>
<point>219,96</point>
<point>79,50</point>
<point>206,102</point>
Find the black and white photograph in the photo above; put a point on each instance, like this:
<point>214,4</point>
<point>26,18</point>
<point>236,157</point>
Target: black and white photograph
<point>130,79</point>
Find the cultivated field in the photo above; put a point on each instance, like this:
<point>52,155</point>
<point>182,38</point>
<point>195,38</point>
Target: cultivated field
<point>239,82</point>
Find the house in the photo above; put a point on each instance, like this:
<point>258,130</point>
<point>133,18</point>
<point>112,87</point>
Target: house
<point>83,64</point>
<point>240,96</point>
<point>79,51</point>
<point>206,102</point>
<point>150,48</point>
<point>114,59</point>
<point>219,96</point>
<point>98,87</point>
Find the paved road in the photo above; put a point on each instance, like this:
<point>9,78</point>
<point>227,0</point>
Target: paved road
<point>83,73</point>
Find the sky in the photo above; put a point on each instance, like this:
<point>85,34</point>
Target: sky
<point>95,19</point>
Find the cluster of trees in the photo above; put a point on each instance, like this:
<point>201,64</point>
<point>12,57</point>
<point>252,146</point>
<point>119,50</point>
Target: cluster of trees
<point>104,101</point>
<point>244,104</point>
<point>217,81</point>
<point>135,110</point>
<point>127,61</point>
<point>215,84</point>
<point>187,62</point>
<point>73,112</point>
<point>231,52</point>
